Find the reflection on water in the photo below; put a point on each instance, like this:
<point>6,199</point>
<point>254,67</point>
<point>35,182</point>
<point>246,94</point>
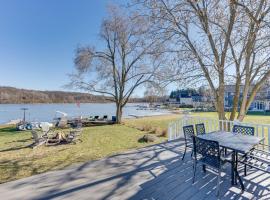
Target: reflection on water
<point>46,112</point>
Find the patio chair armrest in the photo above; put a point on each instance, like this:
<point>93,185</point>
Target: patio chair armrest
<point>264,146</point>
<point>256,162</point>
<point>260,154</point>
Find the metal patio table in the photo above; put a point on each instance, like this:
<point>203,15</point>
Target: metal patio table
<point>236,142</point>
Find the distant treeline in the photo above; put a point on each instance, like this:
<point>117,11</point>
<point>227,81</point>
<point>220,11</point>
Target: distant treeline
<point>18,96</point>
<point>14,95</point>
<point>11,95</point>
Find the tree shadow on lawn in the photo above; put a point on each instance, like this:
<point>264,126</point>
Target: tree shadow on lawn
<point>8,130</point>
<point>18,145</point>
<point>17,148</point>
<point>29,166</point>
<point>14,167</point>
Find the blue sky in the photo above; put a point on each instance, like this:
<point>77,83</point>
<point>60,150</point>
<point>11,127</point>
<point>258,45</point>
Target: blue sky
<point>38,39</point>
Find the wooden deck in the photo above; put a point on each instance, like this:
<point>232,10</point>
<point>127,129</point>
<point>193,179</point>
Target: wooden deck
<point>154,172</point>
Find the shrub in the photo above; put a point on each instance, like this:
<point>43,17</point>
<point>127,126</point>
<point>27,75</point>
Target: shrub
<point>163,133</point>
<point>141,128</point>
<point>147,127</point>
<point>158,131</point>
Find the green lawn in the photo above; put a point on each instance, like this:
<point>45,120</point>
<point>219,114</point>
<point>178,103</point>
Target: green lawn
<point>260,119</point>
<point>17,160</point>
<point>155,121</point>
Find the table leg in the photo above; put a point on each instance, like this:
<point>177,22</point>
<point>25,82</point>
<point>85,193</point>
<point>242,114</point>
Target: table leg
<point>233,168</point>
<point>240,180</point>
<point>237,174</point>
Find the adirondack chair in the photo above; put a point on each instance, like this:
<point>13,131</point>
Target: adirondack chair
<point>75,135</point>
<point>37,140</point>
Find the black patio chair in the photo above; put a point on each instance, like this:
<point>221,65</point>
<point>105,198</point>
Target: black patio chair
<point>188,134</point>
<point>200,129</point>
<point>207,152</point>
<point>244,130</point>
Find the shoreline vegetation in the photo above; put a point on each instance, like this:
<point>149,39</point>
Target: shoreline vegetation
<point>17,160</point>
<point>11,95</point>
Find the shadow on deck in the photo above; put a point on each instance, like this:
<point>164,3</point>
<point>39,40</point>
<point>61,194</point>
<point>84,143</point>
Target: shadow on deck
<point>155,172</point>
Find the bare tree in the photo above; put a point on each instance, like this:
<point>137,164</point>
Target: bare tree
<point>154,93</point>
<point>127,60</point>
<point>251,47</point>
<point>227,41</point>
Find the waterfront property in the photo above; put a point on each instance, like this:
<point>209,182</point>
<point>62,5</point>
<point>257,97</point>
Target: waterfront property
<point>261,102</point>
<point>192,98</point>
<point>189,98</point>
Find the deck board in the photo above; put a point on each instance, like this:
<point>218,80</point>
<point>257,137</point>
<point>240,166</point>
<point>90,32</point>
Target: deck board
<point>149,173</point>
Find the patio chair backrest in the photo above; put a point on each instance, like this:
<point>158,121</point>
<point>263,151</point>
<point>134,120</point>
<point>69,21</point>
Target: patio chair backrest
<point>188,132</point>
<point>200,129</point>
<point>208,150</point>
<point>45,126</point>
<point>245,130</point>
<point>35,136</point>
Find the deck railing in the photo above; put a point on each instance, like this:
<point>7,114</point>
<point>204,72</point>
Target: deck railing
<point>175,129</point>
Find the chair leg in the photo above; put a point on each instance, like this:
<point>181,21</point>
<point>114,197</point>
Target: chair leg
<point>194,171</point>
<point>245,170</point>
<point>184,152</point>
<point>218,184</point>
<point>191,153</point>
<point>204,168</point>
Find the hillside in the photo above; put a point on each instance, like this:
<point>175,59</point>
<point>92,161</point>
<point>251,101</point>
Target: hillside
<point>17,96</point>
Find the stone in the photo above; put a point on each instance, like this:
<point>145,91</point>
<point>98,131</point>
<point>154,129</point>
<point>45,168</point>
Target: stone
<point>148,138</point>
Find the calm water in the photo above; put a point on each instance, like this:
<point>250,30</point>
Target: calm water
<point>46,112</point>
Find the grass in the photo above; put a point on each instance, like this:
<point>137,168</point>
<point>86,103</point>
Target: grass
<point>262,119</point>
<point>17,160</point>
<point>154,121</point>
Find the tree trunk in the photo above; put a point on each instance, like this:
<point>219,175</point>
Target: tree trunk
<point>220,96</point>
<point>220,107</point>
<point>249,100</point>
<point>119,110</point>
<point>235,99</point>
<point>242,112</point>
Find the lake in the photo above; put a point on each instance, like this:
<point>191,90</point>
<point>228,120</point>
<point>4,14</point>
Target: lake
<point>46,112</point>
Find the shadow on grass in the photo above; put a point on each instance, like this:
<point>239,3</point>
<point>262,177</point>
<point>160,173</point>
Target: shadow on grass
<point>8,130</point>
<point>23,140</point>
<point>14,168</point>
<point>17,148</point>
